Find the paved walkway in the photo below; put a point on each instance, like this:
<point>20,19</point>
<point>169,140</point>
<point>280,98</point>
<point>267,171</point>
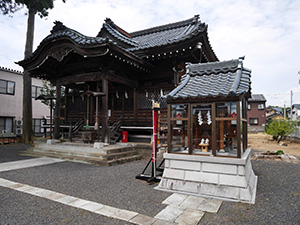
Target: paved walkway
<point>181,209</point>
<point>21,164</point>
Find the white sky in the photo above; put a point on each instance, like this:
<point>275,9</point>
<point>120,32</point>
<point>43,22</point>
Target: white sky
<point>266,32</point>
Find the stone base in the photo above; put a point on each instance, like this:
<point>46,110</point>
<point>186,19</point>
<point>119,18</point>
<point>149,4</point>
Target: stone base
<point>229,179</point>
<point>51,142</point>
<point>98,145</point>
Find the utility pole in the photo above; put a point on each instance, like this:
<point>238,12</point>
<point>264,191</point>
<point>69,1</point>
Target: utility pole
<point>291,139</point>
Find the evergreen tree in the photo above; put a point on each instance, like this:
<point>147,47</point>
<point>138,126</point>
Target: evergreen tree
<point>40,7</point>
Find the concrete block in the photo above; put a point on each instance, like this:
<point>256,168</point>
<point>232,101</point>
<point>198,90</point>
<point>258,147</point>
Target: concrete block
<point>66,200</point>
<point>107,211</point>
<point>170,214</point>
<point>231,180</point>
<point>191,202</point>
<point>210,205</point>
<point>50,142</point>
<point>175,199</point>
<point>162,222</point>
<point>92,206</point>
<point>231,193</point>
<point>241,170</point>
<point>125,215</point>
<point>167,163</point>
<point>178,185</point>
<point>201,177</point>
<point>174,174</point>
<point>186,165</point>
<point>190,217</point>
<point>142,219</point>
<point>245,194</point>
<point>98,145</point>
<point>78,203</point>
<point>219,168</point>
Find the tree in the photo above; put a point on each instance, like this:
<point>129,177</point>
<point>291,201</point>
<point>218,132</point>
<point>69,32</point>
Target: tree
<point>280,128</point>
<point>40,7</point>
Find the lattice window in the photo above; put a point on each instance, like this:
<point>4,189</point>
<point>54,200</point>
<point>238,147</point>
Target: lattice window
<point>146,97</point>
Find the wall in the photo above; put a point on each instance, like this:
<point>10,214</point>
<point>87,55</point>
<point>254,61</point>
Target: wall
<point>12,105</point>
<point>254,112</point>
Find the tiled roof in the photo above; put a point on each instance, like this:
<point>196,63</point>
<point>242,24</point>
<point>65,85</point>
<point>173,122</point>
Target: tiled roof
<point>60,32</point>
<point>257,98</point>
<point>297,106</point>
<point>133,43</point>
<point>217,79</point>
<point>168,34</point>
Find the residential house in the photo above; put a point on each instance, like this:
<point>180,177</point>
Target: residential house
<point>11,98</point>
<point>274,113</point>
<point>256,113</point>
<point>295,112</point>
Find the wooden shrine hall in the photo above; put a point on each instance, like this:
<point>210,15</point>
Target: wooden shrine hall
<point>114,77</point>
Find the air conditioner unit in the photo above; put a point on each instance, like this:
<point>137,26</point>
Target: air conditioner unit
<point>19,123</point>
<point>19,131</point>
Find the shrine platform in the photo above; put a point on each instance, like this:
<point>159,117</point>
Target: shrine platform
<point>89,153</point>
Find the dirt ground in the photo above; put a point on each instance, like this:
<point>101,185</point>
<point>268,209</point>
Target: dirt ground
<point>262,142</point>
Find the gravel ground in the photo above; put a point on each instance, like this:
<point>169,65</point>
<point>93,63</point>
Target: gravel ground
<point>277,199</point>
<point>17,208</point>
<point>10,152</point>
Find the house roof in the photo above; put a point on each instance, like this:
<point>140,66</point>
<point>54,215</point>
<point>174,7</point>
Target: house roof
<point>257,98</point>
<point>217,79</point>
<point>297,106</point>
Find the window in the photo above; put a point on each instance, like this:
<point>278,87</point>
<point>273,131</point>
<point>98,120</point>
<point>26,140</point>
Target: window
<point>6,124</point>
<point>253,121</point>
<point>36,91</point>
<point>37,126</point>
<point>7,87</point>
<point>249,106</point>
<point>261,106</point>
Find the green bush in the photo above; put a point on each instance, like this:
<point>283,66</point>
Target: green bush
<point>280,128</point>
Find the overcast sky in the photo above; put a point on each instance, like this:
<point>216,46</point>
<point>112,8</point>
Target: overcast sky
<point>266,32</point>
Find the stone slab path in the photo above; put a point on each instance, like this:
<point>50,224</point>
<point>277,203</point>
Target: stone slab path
<point>180,209</point>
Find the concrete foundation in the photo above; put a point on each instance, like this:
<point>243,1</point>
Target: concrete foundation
<point>230,179</point>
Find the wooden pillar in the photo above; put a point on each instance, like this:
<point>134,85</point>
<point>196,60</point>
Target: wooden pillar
<point>222,134</point>
<point>57,110</point>
<point>238,128</point>
<point>104,114</point>
<point>214,128</point>
<point>66,103</point>
<point>135,104</point>
<point>190,129</point>
<point>244,116</point>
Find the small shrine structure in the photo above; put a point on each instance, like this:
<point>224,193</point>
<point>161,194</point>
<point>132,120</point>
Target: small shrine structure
<point>207,143</point>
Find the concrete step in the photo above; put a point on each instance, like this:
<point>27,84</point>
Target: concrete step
<point>71,158</point>
<point>124,160</point>
<point>83,153</point>
<point>121,154</point>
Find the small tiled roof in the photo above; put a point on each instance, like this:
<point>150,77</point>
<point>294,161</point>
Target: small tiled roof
<point>217,79</point>
<point>257,98</point>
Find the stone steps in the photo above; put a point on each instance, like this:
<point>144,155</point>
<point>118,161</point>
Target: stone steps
<point>106,156</point>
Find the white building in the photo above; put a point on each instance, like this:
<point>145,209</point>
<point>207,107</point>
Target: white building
<point>11,102</point>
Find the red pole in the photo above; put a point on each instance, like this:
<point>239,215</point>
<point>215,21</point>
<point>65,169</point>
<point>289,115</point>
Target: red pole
<point>155,126</point>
